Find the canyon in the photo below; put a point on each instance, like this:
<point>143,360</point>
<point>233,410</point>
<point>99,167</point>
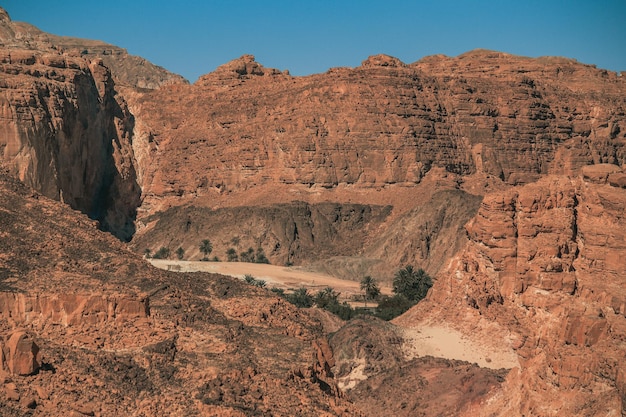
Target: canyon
<point>502,176</point>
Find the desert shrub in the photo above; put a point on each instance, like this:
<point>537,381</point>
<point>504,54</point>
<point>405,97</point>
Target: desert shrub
<point>278,291</point>
<point>247,256</point>
<point>162,253</point>
<point>253,281</point>
<point>328,299</point>
<point>391,307</point>
<point>180,253</point>
<point>260,257</point>
<point>325,297</point>
<point>300,298</point>
<point>342,310</point>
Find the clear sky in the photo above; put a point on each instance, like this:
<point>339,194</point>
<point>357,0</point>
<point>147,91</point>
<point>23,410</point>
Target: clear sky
<point>193,37</point>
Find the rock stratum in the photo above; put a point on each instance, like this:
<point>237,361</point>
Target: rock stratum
<point>89,328</point>
<point>385,133</point>
<point>502,176</point>
<point>544,268</point>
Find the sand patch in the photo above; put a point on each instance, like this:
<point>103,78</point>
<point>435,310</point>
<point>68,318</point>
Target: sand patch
<point>444,342</point>
<point>274,275</point>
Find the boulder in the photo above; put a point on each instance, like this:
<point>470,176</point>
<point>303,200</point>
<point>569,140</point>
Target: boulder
<point>22,354</point>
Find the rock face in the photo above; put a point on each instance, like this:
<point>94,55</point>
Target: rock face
<point>382,123</point>
<point>246,135</point>
<point>128,70</point>
<point>89,328</point>
<point>67,133</point>
<point>20,354</point>
<point>545,262</point>
<point>287,233</point>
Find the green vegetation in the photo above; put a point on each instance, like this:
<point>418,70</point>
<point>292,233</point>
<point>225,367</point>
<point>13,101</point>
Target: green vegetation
<point>253,281</point>
<point>411,283</point>
<point>328,299</point>
<point>180,253</point>
<point>231,255</point>
<point>147,253</point>
<point>300,298</point>
<point>206,247</point>
<point>247,256</point>
<point>162,253</point>
<point>370,288</point>
<point>260,256</point>
<point>409,287</point>
<point>391,307</point>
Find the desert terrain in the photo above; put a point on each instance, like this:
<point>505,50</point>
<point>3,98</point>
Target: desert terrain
<point>502,177</point>
<point>287,278</point>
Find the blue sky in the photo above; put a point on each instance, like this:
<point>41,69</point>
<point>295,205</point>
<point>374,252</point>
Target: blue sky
<point>193,37</point>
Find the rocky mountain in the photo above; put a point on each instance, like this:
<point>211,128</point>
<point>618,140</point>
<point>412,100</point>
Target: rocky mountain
<point>502,176</point>
<point>545,268</point>
<point>385,133</point>
<point>381,124</point>
<point>89,328</point>
<point>128,70</point>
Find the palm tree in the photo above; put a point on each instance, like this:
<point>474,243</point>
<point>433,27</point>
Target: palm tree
<point>232,256</point>
<point>370,288</point>
<point>206,247</point>
<point>413,284</point>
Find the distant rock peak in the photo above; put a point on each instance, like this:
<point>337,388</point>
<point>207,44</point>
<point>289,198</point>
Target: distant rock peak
<point>241,68</point>
<point>4,16</point>
<point>382,60</point>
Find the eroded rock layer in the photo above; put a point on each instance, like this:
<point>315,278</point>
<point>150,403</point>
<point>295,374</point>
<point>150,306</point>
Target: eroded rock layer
<point>381,123</point>
<point>89,328</point>
<point>545,265</point>
<point>66,133</point>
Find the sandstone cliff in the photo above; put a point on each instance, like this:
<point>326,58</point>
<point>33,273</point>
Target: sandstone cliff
<point>65,131</point>
<point>545,268</point>
<point>89,328</point>
<point>128,70</point>
<point>249,135</point>
<point>380,124</point>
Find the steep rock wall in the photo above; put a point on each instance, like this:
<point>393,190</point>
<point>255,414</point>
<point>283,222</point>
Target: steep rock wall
<point>379,124</point>
<point>545,264</point>
<point>66,133</point>
<point>291,233</point>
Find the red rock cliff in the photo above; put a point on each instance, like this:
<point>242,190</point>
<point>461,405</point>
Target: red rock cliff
<point>545,263</point>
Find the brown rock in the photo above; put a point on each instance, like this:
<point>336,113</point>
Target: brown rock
<point>28,402</point>
<point>85,409</point>
<point>22,354</point>
<point>545,262</point>
<point>11,392</point>
<point>42,393</point>
<point>600,173</point>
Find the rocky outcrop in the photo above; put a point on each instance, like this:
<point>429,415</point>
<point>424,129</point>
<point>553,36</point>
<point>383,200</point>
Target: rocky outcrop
<point>382,123</point>
<point>67,309</point>
<point>545,263</point>
<point>20,354</point>
<point>373,370</point>
<point>66,133</point>
<point>287,233</point>
<point>128,70</point>
<point>86,326</point>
